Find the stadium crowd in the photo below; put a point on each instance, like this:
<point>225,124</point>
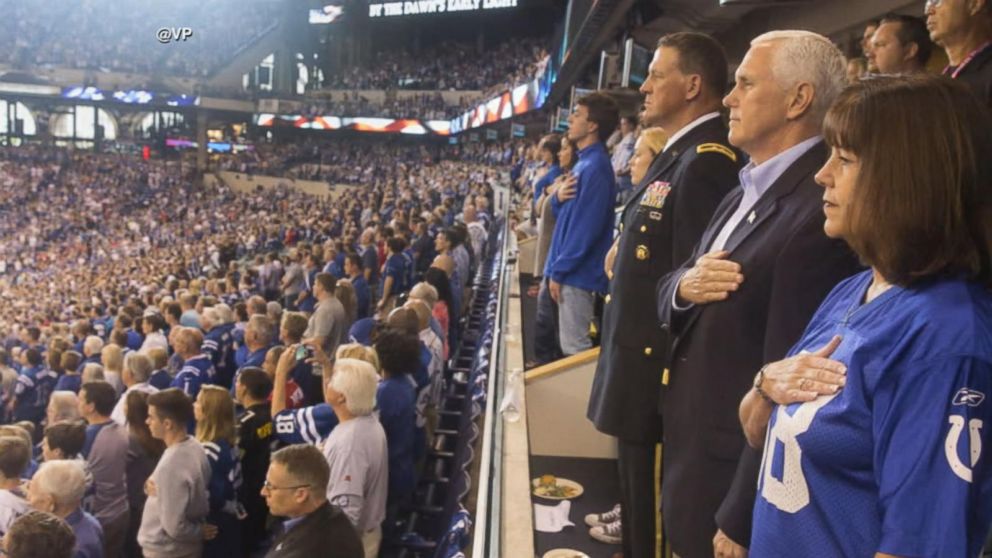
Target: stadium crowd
<point>448,66</point>
<point>152,331</point>
<point>361,160</point>
<point>119,37</point>
<point>426,106</point>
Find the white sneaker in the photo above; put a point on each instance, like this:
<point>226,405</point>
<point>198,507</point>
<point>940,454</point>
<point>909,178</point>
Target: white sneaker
<point>609,534</point>
<point>599,519</point>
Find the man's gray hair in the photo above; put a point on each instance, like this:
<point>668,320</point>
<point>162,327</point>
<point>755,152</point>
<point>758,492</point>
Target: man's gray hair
<point>92,345</point>
<point>357,381</point>
<point>65,405</point>
<point>262,327</point>
<point>92,372</point>
<point>807,57</point>
<point>62,479</point>
<point>139,365</point>
<point>225,313</point>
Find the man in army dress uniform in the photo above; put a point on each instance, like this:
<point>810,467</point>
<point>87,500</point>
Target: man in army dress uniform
<point>661,224</point>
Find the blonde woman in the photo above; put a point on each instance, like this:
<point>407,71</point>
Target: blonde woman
<point>214,414</point>
<point>112,358</point>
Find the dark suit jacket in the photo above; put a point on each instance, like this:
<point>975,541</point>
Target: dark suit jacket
<point>326,532</point>
<point>789,266</point>
<point>653,240</point>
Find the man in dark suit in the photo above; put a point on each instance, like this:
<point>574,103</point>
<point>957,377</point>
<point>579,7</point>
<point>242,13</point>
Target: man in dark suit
<point>296,488</point>
<point>662,222</point>
<point>762,267</point>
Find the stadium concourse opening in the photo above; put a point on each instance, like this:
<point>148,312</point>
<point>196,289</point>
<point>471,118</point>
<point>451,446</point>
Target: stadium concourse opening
<point>495,278</point>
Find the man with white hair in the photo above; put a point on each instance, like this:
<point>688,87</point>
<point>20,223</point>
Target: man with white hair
<point>138,370</point>
<point>760,270</point>
<point>476,230</point>
<point>356,450</point>
<point>58,488</point>
<point>62,406</point>
<point>92,349</point>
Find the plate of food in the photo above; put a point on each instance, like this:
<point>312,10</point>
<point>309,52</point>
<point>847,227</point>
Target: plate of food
<point>553,488</point>
<point>564,553</point>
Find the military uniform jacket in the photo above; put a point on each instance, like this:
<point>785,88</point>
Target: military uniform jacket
<point>659,227</point>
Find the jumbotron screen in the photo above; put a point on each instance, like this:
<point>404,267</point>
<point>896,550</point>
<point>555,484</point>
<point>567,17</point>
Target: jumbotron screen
<point>435,7</point>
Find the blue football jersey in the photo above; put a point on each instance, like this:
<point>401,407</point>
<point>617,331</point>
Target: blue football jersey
<point>895,461</point>
<point>308,425</point>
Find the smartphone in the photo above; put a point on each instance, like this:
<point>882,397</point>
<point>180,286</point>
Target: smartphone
<point>303,352</point>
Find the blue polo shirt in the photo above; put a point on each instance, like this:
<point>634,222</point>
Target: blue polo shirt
<point>89,534</point>
<point>584,227</point>
<point>361,295</point>
<point>542,183</point>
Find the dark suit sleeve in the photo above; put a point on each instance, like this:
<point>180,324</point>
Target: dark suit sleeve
<point>704,182</point>
<point>668,317</point>
<point>809,266</point>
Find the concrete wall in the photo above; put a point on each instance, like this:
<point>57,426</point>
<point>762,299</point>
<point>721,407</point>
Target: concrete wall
<point>248,183</point>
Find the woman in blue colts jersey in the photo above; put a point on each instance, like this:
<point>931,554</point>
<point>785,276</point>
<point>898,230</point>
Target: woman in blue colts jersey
<point>215,430</point>
<point>876,427</point>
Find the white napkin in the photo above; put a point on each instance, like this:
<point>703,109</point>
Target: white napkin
<point>552,519</point>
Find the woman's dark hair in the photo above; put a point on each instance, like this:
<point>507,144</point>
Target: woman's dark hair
<point>552,144</point>
<point>439,280</point>
<point>398,351</point>
<point>137,413</point>
<point>922,205</point>
<point>68,437</point>
<point>575,153</point>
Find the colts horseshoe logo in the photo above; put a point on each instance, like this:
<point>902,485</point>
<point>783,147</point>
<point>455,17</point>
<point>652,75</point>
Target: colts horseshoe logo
<point>951,445</point>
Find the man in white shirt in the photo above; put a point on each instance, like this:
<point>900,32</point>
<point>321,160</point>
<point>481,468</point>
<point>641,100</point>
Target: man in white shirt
<point>137,369</point>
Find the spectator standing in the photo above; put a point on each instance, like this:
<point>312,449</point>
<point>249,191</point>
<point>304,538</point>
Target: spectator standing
<point>37,534</point>
<point>34,386</point>
<point>105,451</point>
<point>296,487</point>
<point>214,414</point>
<point>174,520</point>
<point>327,325</point>
<point>574,273</point>
<point>143,453</point>
<point>254,444</point>
<point>964,31</point>
<point>356,451</point>
<point>761,268</point>
<point>901,45</point>
<point>15,454</point>
<point>673,200</point>
<point>58,488</point>
<point>137,372</point>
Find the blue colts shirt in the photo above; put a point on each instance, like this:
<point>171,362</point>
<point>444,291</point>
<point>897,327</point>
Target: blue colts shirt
<point>898,461</point>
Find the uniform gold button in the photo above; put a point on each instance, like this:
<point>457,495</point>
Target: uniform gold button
<point>647,351</point>
<point>664,377</point>
<point>608,298</point>
<point>644,228</point>
<point>621,227</point>
<point>642,252</point>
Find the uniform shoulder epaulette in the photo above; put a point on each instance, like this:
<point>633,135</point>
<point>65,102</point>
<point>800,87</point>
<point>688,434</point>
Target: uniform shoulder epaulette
<point>717,148</point>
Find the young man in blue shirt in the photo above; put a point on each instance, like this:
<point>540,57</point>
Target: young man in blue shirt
<point>584,227</point>
<point>353,268</point>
